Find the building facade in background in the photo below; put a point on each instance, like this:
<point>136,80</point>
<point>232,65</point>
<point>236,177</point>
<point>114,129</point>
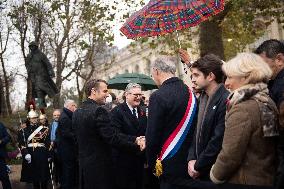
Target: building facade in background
<point>137,58</point>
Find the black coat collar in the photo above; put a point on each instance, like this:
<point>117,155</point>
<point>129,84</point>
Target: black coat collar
<point>280,75</point>
<point>170,80</point>
<point>68,112</point>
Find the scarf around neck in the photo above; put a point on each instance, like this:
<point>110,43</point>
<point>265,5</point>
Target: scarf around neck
<point>268,111</point>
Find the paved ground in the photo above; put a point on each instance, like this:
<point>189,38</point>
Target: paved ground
<point>15,178</point>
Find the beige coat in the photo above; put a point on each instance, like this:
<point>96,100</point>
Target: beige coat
<point>247,157</point>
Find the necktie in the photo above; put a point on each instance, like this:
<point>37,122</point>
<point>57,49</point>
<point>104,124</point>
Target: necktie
<point>134,112</point>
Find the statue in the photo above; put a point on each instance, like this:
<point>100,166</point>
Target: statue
<point>41,73</point>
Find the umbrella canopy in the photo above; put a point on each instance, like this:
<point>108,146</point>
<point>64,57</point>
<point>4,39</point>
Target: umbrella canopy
<point>120,81</point>
<point>159,17</point>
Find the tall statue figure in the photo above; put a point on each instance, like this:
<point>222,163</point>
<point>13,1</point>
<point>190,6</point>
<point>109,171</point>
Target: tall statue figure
<point>41,73</point>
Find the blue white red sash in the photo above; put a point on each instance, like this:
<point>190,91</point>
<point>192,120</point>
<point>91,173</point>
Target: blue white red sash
<point>177,137</point>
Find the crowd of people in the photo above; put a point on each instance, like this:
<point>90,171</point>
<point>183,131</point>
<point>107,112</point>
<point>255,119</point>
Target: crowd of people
<point>226,131</point>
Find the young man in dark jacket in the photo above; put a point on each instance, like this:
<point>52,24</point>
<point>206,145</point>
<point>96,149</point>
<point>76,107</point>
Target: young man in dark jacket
<point>207,76</point>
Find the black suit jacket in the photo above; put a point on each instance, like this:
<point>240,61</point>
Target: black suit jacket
<point>95,136</point>
<point>166,108</point>
<point>128,164</point>
<point>210,139</point>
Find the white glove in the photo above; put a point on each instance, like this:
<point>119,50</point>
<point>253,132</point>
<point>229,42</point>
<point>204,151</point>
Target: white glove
<point>28,157</point>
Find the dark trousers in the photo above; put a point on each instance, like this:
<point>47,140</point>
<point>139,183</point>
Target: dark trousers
<point>280,178</point>
<point>150,180</point>
<point>165,185</point>
<point>69,174</point>
<point>40,185</point>
<point>4,177</point>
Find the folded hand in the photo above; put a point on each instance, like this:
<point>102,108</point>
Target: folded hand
<point>191,171</point>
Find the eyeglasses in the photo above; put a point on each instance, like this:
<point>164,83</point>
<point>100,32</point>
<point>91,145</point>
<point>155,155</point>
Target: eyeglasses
<point>136,95</point>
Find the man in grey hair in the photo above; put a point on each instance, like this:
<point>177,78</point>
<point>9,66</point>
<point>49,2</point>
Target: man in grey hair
<point>162,68</point>
<point>67,147</point>
<point>130,120</point>
<point>172,109</point>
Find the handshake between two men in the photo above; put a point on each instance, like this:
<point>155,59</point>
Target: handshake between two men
<point>141,142</point>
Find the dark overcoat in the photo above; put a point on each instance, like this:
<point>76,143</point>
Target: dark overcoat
<point>128,165</point>
<point>41,73</point>
<point>166,109</point>
<point>66,144</point>
<point>276,92</point>
<point>208,142</point>
<point>37,170</point>
<point>5,138</point>
<point>95,136</point>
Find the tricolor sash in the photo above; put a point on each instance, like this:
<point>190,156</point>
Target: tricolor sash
<point>177,137</point>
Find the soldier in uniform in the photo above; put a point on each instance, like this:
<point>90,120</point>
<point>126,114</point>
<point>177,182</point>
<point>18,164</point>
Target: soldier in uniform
<point>34,142</point>
<point>41,74</point>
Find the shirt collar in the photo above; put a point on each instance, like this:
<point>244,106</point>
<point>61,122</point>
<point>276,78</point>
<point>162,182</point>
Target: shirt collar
<point>130,107</point>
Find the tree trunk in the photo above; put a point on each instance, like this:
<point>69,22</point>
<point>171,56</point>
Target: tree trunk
<point>210,38</point>
<point>81,96</point>
<point>3,107</point>
<point>6,86</point>
<point>1,96</point>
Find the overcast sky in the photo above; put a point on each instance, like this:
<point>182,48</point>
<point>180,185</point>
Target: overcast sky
<point>15,61</point>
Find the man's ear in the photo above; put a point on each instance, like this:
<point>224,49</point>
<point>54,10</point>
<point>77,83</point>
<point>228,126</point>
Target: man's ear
<point>156,71</point>
<point>279,60</point>
<point>211,76</point>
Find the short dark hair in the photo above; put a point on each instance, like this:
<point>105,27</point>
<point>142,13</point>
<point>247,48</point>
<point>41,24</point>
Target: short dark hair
<point>271,48</point>
<point>210,63</point>
<point>93,84</point>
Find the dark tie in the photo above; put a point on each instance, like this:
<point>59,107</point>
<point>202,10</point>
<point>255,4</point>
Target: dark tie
<point>134,112</point>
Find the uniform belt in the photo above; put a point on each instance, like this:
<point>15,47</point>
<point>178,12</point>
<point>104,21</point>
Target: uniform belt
<point>35,145</point>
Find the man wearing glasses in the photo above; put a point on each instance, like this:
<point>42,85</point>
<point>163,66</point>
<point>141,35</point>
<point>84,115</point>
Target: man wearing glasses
<point>129,119</point>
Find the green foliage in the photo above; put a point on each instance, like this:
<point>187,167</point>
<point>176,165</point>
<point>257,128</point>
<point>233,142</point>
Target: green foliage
<point>246,21</point>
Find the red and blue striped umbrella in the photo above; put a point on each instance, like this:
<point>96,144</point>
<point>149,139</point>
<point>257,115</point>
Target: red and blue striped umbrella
<point>160,17</point>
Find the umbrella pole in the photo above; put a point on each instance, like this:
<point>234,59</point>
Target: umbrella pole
<point>178,39</point>
<point>184,69</point>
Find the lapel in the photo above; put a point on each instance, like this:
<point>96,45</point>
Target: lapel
<point>213,106</point>
<point>128,114</point>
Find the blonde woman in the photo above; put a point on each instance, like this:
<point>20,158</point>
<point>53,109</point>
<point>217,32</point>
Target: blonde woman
<point>248,150</point>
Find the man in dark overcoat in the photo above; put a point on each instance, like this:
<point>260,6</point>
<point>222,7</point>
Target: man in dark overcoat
<point>67,147</point>
<point>272,52</point>
<point>4,139</point>
<point>172,110</point>
<point>131,120</point>
<point>41,73</point>
<point>95,137</point>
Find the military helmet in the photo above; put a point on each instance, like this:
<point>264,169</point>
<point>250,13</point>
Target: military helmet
<point>32,113</point>
<point>33,43</point>
<point>42,116</point>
